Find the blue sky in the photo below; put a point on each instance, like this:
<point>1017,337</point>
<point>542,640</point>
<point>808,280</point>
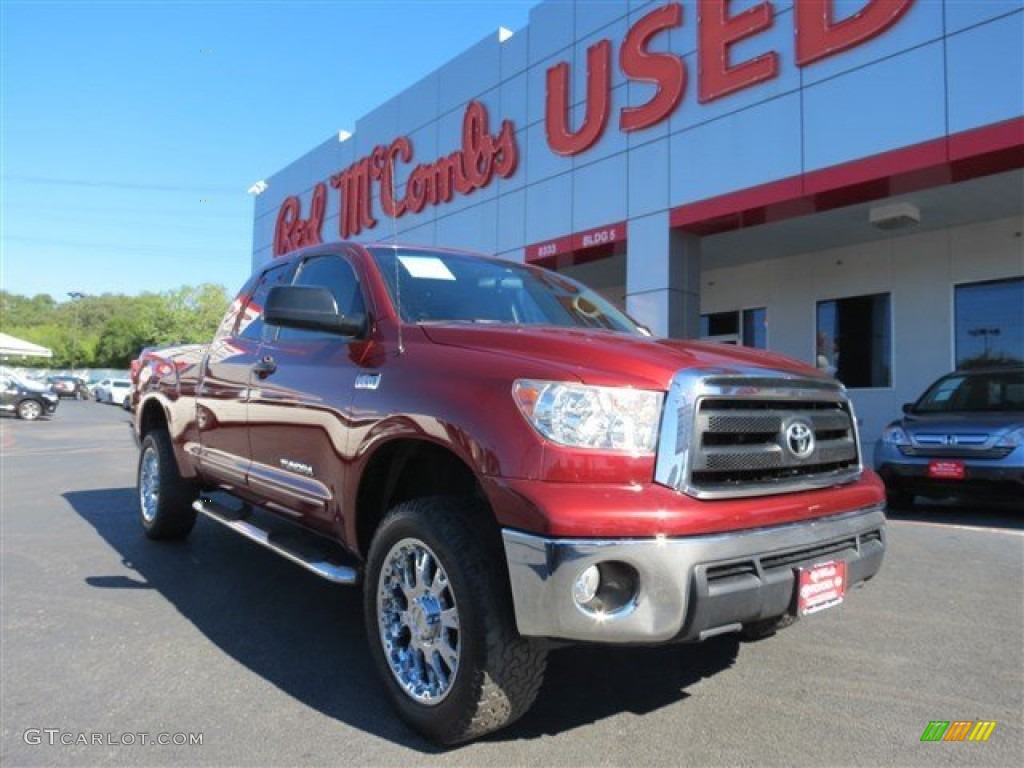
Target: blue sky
<point>131,130</point>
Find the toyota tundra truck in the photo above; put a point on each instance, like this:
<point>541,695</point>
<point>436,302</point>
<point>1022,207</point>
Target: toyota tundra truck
<point>505,462</point>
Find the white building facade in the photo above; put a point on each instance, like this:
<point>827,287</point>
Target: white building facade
<point>837,180</point>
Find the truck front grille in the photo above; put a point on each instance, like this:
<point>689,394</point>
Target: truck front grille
<point>744,435</point>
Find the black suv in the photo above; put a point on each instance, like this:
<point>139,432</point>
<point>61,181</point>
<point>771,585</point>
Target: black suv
<point>27,401</point>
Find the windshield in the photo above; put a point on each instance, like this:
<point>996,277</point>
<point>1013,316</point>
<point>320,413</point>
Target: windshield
<point>990,391</point>
<point>447,287</point>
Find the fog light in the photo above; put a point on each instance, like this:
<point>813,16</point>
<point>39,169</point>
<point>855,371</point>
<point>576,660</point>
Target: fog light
<point>586,586</point>
<point>607,589</point>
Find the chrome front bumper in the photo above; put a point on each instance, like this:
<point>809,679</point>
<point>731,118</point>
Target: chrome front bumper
<point>690,588</point>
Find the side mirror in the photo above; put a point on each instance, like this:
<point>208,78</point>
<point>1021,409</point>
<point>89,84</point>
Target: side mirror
<point>310,307</point>
<point>907,407</point>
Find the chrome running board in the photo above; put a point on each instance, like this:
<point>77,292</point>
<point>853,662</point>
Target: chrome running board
<point>303,553</point>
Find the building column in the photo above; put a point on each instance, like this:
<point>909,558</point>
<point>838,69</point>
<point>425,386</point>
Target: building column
<point>663,277</point>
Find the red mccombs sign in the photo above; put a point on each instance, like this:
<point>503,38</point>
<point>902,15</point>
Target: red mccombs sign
<point>817,35</point>
<point>470,168</point>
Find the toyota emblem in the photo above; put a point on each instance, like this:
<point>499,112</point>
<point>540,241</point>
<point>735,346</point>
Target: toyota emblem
<point>800,439</point>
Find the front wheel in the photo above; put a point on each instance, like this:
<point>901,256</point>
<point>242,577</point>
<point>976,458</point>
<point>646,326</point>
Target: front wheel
<point>29,410</point>
<point>439,622</point>
<point>165,498</point>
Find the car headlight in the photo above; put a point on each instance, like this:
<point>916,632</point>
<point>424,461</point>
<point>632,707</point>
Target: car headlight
<point>1012,439</point>
<point>894,435</point>
<point>582,416</point>
<point>49,396</point>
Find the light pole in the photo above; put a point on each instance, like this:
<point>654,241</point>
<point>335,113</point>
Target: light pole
<point>74,296</point>
<point>984,333</point>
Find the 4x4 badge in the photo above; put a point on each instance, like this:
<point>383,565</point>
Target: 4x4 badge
<point>367,381</point>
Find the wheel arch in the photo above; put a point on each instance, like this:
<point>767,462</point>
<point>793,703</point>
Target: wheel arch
<point>407,468</point>
<point>152,415</point>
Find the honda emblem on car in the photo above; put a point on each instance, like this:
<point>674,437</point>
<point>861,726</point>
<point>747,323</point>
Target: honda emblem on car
<point>800,439</point>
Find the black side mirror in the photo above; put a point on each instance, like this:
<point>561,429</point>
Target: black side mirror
<point>907,407</point>
<point>310,307</point>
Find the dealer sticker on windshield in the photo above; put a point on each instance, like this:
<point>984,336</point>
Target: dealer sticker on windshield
<point>820,586</point>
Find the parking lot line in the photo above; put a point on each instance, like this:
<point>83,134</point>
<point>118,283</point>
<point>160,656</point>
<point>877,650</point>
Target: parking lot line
<point>957,526</point>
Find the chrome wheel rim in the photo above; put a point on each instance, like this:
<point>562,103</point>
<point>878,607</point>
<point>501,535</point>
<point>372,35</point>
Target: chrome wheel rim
<point>149,484</point>
<point>418,621</point>
<point>31,410</point>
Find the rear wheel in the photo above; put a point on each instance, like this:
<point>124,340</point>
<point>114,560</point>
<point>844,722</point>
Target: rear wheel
<point>439,622</point>
<point>29,410</point>
<point>165,499</point>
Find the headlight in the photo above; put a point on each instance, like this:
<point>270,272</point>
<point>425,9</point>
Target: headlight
<point>1012,439</point>
<point>894,435</point>
<point>49,396</point>
<point>581,416</point>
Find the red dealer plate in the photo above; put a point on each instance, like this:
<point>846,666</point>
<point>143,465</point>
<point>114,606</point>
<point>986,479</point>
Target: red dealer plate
<point>820,586</point>
<point>946,470</point>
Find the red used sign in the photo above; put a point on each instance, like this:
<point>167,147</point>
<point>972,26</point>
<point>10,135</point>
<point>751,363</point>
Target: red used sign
<point>720,69</point>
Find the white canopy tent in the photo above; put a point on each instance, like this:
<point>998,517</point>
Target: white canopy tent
<point>12,347</point>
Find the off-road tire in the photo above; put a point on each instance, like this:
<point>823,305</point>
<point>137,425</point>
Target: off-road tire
<point>170,515</point>
<point>29,410</point>
<point>499,672</point>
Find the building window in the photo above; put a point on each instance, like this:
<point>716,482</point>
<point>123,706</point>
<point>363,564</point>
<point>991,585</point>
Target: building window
<point>854,341</point>
<point>755,328</point>
<point>990,323</point>
<point>749,327</point>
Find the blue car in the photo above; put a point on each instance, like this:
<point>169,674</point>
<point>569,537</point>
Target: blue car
<point>964,437</point>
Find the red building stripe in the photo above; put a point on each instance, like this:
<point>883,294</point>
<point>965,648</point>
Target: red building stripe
<point>967,155</point>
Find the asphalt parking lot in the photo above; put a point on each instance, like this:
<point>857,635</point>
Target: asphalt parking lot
<point>110,637</point>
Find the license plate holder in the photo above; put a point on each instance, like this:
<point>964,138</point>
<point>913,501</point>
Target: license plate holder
<point>820,586</point>
<point>946,470</point>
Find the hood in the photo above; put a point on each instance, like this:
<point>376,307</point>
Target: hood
<point>962,423</point>
<point>610,358</point>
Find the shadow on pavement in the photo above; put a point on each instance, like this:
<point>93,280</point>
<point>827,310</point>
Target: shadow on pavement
<point>587,683</point>
<point>1005,515</point>
<point>306,636</point>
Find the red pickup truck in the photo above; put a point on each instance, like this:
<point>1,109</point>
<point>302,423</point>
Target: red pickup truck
<point>504,461</point>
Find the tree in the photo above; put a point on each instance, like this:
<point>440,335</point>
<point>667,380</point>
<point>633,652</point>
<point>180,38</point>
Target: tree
<point>22,312</point>
<point>119,342</point>
<point>110,329</point>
